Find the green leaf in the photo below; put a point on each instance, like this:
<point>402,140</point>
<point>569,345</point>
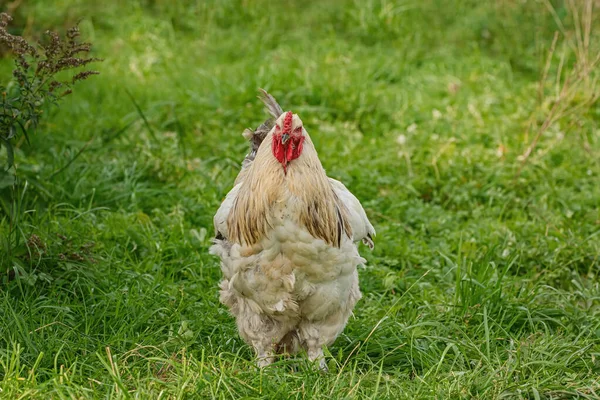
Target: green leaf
<point>24,132</point>
<point>6,179</point>
<point>10,155</point>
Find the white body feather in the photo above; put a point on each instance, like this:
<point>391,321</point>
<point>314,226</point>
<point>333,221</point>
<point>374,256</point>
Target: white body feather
<point>291,282</point>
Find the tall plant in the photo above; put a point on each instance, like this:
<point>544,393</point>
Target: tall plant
<point>36,83</point>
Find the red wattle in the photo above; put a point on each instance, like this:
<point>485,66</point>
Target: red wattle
<point>278,150</point>
<point>284,153</point>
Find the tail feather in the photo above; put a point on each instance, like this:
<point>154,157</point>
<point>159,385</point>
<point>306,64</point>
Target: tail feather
<point>271,105</point>
<point>289,344</point>
<point>257,136</point>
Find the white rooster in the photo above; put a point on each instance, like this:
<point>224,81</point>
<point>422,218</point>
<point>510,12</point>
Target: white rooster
<point>287,238</point>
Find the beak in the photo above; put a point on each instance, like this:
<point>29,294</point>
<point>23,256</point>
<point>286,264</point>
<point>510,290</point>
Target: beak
<point>284,138</point>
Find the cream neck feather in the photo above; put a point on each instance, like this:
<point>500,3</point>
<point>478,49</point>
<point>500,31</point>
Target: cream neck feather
<point>317,208</point>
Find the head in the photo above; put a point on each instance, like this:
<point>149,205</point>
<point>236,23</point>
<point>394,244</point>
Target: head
<point>288,138</point>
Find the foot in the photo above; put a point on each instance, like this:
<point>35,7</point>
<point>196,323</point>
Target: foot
<point>264,361</point>
<point>323,365</point>
<point>318,356</point>
<point>264,355</point>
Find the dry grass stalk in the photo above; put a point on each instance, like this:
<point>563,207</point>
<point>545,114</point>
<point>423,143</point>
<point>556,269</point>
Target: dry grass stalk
<point>576,85</point>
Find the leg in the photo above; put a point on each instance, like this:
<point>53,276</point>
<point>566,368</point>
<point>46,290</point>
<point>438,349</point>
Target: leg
<point>265,355</point>
<point>313,340</point>
<point>261,331</point>
<point>316,335</point>
<point>319,332</point>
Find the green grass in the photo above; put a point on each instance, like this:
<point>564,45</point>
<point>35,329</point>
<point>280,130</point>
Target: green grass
<point>483,282</point>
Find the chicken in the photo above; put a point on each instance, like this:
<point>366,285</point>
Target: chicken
<point>287,236</point>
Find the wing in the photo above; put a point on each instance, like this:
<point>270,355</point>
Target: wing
<point>220,219</point>
<point>361,227</point>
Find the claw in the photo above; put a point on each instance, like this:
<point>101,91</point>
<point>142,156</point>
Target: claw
<point>323,365</point>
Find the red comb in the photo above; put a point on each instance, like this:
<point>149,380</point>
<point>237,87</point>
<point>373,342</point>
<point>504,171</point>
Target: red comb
<point>287,123</point>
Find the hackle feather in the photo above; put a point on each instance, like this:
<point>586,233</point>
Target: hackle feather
<point>318,209</point>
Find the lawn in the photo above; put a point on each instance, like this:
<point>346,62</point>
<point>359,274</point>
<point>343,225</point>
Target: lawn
<point>484,278</point>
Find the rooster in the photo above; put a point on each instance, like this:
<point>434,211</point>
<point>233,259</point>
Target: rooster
<point>287,236</point>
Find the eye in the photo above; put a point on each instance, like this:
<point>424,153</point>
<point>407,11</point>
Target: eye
<point>298,129</point>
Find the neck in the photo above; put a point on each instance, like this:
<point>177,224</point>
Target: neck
<point>318,208</point>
